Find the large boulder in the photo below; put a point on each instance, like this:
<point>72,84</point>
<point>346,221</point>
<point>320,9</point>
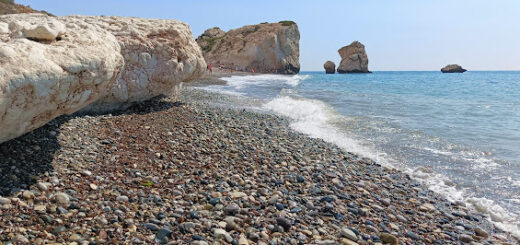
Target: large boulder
<point>50,66</point>
<point>266,47</point>
<point>158,54</point>
<point>453,69</point>
<point>354,59</point>
<point>330,67</point>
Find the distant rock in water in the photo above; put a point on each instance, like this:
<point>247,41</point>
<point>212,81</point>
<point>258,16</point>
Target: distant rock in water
<point>354,59</point>
<point>453,69</point>
<point>266,48</point>
<point>330,67</point>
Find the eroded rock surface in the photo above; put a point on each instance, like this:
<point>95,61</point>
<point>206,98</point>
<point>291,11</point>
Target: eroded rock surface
<point>354,59</point>
<point>266,48</point>
<point>158,54</point>
<point>50,66</point>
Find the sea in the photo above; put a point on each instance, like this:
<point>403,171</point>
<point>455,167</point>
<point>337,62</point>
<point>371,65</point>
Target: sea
<point>459,134</point>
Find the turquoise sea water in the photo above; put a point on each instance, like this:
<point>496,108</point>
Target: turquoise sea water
<point>458,133</point>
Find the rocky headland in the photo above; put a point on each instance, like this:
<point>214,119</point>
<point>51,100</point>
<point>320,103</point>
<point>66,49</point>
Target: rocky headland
<point>53,66</point>
<point>264,48</point>
<point>354,59</point>
<point>453,68</point>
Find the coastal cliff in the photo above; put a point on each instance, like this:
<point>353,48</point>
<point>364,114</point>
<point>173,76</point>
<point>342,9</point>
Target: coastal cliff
<point>266,48</point>
<point>53,66</point>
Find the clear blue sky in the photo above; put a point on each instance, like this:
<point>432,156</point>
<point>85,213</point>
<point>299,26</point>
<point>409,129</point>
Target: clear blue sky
<point>398,34</point>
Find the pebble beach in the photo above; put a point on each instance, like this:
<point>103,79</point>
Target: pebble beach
<point>191,172</point>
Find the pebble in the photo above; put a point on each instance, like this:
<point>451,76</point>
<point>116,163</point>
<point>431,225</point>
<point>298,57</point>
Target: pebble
<point>4,200</point>
<point>151,226</point>
<point>93,187</point>
<point>222,234</point>
<point>388,238</point>
<point>42,186</point>
<point>75,238</point>
<point>412,235</point>
<point>62,198</point>
<point>349,234</point>
<point>285,223</point>
<point>29,195</point>
<point>163,235</point>
<point>465,238</point>
<point>122,199</point>
<point>480,232</point>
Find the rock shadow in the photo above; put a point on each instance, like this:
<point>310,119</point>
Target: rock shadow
<point>24,159</point>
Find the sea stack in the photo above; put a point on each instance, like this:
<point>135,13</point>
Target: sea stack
<point>354,59</point>
<point>264,48</point>
<point>453,68</point>
<point>330,67</point>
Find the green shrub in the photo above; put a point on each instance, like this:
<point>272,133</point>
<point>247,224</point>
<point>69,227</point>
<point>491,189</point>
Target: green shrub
<point>287,22</point>
<point>7,1</point>
<point>211,43</point>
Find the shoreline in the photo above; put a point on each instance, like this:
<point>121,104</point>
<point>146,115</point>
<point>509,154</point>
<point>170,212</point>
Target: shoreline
<point>196,173</point>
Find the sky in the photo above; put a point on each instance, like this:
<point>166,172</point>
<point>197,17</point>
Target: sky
<point>397,34</point>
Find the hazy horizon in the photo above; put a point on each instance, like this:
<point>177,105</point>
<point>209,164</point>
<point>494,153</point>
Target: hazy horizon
<point>399,35</point>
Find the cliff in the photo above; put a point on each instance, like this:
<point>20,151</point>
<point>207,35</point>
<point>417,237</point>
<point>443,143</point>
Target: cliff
<point>58,65</point>
<point>266,47</point>
<point>354,59</point>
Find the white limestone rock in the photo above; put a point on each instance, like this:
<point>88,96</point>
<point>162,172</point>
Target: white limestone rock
<point>159,55</point>
<point>42,80</point>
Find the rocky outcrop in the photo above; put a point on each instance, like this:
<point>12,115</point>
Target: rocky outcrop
<point>158,54</point>
<point>453,69</point>
<point>330,67</point>
<point>9,7</point>
<point>49,67</point>
<point>354,59</point>
<point>52,66</point>
<point>266,48</point>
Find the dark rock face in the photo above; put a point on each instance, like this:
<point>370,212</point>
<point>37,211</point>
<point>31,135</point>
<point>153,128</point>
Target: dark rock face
<point>354,59</point>
<point>453,69</point>
<point>330,67</point>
